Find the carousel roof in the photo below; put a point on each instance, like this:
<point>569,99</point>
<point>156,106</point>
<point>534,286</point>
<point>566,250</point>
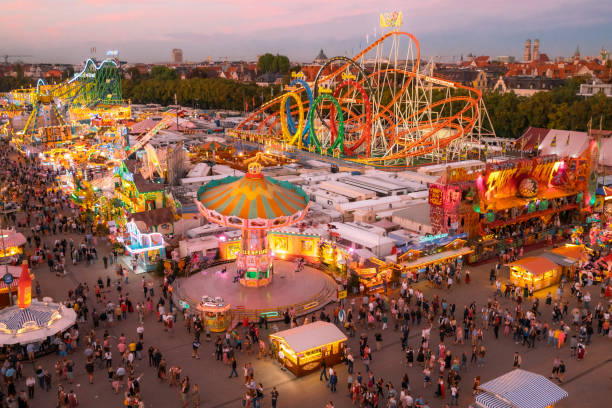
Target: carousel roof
<point>253,197</point>
<point>36,322</point>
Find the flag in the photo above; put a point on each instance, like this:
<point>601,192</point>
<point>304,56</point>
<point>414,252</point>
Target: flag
<point>553,142</point>
<point>253,102</point>
<point>567,140</point>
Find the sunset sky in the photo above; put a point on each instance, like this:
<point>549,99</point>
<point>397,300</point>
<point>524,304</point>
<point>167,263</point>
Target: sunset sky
<point>147,30</point>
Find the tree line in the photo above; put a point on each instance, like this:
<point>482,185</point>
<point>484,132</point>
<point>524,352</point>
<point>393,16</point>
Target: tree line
<point>199,91</point>
<point>560,108</point>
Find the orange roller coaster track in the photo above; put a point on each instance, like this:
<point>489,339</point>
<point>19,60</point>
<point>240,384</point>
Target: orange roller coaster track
<point>390,115</point>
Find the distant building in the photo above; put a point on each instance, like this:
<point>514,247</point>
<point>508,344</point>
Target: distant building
<point>177,56</point>
<point>527,53</point>
<point>505,59</point>
<point>594,88</point>
<point>476,78</point>
<point>321,58</point>
<point>535,56</point>
<point>524,85</point>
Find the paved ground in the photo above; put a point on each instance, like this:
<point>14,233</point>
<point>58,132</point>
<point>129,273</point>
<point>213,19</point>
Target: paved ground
<point>588,382</point>
<point>288,287</point>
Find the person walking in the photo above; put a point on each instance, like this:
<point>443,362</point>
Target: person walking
<point>196,396</point>
<point>517,360</point>
<point>274,397</point>
<point>233,364</point>
<point>89,367</point>
<point>195,345</point>
<point>30,383</point>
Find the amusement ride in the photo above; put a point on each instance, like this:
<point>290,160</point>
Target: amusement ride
<point>378,108</point>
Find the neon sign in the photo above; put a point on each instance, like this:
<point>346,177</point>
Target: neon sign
<point>432,237</point>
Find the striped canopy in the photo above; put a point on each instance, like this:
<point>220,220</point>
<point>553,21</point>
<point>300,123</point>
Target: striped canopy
<point>520,389</point>
<point>13,319</point>
<point>252,197</point>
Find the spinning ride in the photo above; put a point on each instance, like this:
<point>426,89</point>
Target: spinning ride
<point>255,204</point>
<point>379,108</point>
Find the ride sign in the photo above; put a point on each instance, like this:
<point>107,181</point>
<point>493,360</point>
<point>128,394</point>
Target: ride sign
<point>8,279</point>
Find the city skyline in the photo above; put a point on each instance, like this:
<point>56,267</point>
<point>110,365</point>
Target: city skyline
<point>147,30</point>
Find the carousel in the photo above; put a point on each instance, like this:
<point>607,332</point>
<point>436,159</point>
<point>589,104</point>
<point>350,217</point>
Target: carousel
<point>256,205</point>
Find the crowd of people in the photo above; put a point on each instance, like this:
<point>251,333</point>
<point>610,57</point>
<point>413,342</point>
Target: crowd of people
<point>448,340</point>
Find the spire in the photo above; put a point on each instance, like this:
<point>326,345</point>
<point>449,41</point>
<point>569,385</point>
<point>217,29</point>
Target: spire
<point>24,287</point>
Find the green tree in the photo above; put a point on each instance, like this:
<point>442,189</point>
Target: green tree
<point>273,63</point>
<point>163,73</point>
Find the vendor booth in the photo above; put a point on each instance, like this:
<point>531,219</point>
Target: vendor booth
<point>305,347</point>
<point>148,249</point>
<point>519,389</point>
<point>418,266</point>
<point>11,245</point>
<point>216,314</point>
<point>535,271</point>
<point>569,257</point>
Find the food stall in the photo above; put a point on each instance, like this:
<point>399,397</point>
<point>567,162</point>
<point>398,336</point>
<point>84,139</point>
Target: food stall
<point>535,271</point>
<point>305,347</point>
<point>11,245</point>
<point>216,314</point>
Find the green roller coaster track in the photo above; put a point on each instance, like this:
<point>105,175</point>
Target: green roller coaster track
<point>339,142</point>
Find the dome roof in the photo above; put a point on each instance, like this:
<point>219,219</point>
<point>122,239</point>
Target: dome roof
<point>321,56</point>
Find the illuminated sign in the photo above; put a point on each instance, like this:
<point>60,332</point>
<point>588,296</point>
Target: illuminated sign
<point>324,90</point>
<point>348,76</point>
<point>432,237</point>
<point>435,196</point>
<point>392,19</point>
<point>297,75</point>
<point>255,252</point>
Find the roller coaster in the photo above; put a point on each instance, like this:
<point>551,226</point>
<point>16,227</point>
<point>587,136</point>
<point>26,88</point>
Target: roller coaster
<point>378,108</point>
<point>95,84</point>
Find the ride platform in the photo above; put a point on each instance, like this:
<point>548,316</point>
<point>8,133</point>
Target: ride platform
<point>305,291</point>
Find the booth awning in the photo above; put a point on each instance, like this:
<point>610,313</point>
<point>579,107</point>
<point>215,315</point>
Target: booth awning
<point>439,257</point>
<point>520,389</point>
<point>536,265</point>
<point>491,401</point>
<point>310,336</point>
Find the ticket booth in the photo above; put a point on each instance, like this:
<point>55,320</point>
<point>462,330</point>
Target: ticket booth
<point>215,313</point>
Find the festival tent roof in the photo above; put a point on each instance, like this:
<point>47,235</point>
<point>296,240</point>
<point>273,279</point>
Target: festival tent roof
<point>12,238</point>
<point>520,389</point>
<point>577,252</point>
<point>310,336</point>
<point>536,265</point>
<point>530,140</point>
<point>253,197</point>
<point>605,152</point>
<point>564,143</point>
<point>559,259</point>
